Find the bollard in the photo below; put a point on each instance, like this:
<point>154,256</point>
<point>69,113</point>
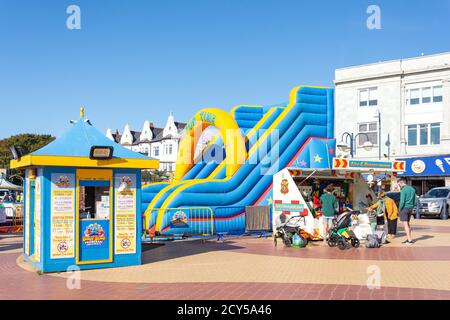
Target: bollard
<point>417,210</point>
<point>444,210</point>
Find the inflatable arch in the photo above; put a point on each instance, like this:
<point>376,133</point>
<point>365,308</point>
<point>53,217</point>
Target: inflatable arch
<point>234,142</point>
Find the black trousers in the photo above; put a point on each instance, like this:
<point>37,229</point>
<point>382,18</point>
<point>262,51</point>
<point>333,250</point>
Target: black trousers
<point>392,226</point>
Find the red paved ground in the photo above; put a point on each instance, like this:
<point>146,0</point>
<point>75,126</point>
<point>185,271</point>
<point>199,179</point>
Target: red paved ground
<point>17,283</point>
<point>21,284</point>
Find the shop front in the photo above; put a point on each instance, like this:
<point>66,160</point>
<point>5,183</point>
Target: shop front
<point>82,197</point>
<point>297,191</point>
<point>425,173</point>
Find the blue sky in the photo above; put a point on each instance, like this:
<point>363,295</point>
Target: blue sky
<point>137,60</point>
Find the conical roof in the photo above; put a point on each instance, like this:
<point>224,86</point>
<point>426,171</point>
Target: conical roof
<point>73,149</point>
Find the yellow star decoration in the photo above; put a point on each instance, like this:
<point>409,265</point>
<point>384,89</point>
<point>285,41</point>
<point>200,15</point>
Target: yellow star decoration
<point>317,158</point>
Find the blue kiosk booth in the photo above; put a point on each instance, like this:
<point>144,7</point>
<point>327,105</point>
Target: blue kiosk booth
<point>82,200</point>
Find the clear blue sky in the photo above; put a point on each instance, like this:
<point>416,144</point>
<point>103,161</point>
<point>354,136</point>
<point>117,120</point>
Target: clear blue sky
<point>137,60</point>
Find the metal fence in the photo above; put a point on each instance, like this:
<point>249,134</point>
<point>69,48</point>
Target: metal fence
<point>11,218</point>
<point>190,221</point>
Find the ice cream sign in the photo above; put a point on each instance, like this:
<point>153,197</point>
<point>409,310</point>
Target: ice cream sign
<point>427,166</point>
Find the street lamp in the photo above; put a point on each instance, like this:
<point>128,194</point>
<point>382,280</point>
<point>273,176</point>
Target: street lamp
<point>378,116</point>
<point>345,145</point>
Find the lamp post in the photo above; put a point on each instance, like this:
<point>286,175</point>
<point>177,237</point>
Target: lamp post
<point>388,145</point>
<point>378,116</point>
<point>345,146</point>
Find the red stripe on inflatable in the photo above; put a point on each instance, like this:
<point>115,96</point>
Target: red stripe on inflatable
<point>229,218</point>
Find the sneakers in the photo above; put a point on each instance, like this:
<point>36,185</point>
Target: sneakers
<point>408,242</point>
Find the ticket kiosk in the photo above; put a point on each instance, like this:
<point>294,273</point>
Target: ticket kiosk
<point>82,203</point>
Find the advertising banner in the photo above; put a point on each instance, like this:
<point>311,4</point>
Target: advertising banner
<point>95,238</point>
<point>125,214</point>
<point>27,217</point>
<point>428,166</point>
<point>62,216</point>
<point>37,219</point>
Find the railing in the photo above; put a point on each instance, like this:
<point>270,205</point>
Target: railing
<point>11,218</point>
<point>190,221</point>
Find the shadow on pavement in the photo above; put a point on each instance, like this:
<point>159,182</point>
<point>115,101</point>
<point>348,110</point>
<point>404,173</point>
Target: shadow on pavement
<point>177,249</point>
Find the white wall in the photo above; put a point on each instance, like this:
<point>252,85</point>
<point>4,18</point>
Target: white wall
<point>392,79</point>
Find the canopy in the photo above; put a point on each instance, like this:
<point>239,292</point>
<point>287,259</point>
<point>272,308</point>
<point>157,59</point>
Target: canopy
<point>4,184</point>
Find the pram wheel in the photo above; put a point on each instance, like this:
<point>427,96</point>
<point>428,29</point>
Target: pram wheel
<point>342,244</point>
<point>332,242</point>
<point>287,242</point>
<point>355,242</point>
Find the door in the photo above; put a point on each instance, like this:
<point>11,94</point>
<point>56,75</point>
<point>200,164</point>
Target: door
<point>94,216</point>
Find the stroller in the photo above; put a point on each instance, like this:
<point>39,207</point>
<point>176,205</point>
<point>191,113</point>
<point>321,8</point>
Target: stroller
<point>287,228</point>
<point>340,234</point>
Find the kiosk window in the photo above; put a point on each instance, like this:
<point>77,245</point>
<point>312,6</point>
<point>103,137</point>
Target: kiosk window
<point>94,202</point>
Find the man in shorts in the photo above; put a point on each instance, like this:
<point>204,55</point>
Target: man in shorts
<point>408,200</point>
<point>329,208</point>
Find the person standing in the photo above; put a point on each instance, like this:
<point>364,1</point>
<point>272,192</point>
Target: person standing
<point>386,207</point>
<point>329,208</point>
<point>408,200</point>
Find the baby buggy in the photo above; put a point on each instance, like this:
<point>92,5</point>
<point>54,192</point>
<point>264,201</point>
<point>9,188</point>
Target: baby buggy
<point>340,234</point>
<point>286,228</point>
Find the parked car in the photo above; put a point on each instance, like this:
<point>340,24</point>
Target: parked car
<point>435,202</point>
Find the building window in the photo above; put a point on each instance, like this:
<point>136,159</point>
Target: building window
<point>424,95</point>
<point>435,133</point>
<point>424,134</point>
<point>168,149</point>
<point>415,96</point>
<point>369,132</point>
<point>412,135</point>
<point>437,94</point>
<point>368,97</point>
<point>156,151</point>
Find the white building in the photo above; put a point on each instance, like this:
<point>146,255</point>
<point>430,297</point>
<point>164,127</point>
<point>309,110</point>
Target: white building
<point>159,143</point>
<point>412,97</point>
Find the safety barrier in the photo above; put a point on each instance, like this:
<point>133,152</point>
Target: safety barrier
<point>190,221</point>
<point>11,218</point>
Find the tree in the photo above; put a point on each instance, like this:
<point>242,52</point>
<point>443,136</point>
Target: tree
<point>150,176</point>
<point>29,143</point>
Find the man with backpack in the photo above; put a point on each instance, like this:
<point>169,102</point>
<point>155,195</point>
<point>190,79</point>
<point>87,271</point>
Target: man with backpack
<point>408,201</point>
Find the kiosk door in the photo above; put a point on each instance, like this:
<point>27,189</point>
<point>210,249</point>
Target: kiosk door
<point>94,218</point>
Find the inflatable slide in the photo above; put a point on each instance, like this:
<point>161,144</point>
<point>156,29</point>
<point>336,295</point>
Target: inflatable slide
<point>235,170</point>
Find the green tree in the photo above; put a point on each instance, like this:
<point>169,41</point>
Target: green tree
<point>29,143</point>
<point>150,176</point>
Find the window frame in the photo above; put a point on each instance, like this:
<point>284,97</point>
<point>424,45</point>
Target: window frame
<point>368,101</point>
<point>418,129</point>
<point>368,132</point>
<point>421,97</point>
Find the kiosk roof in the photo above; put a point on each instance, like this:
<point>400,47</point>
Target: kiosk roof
<point>73,149</point>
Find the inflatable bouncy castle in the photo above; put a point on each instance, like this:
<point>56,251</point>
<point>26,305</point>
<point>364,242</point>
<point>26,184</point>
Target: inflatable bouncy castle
<point>235,169</point>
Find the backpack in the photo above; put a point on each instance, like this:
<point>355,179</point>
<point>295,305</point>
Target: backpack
<point>372,241</point>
